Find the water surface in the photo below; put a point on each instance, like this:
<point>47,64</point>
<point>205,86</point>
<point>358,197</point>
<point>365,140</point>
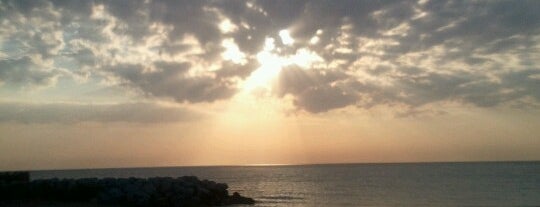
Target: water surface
<point>407,184</point>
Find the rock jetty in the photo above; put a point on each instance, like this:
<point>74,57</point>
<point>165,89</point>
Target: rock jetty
<point>159,191</point>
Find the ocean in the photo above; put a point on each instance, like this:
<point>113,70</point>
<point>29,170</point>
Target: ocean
<point>403,184</point>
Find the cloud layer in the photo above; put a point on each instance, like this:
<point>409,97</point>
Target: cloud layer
<point>67,113</point>
<point>407,53</point>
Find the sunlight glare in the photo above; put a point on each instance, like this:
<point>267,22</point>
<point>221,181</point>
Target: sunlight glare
<point>314,40</point>
<point>232,52</point>
<point>305,58</point>
<point>272,63</point>
<point>286,38</point>
<point>226,26</point>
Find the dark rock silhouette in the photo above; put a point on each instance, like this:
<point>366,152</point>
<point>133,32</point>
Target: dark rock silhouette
<point>159,191</point>
<point>236,198</point>
<point>15,176</point>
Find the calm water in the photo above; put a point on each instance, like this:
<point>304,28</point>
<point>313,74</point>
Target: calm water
<point>427,184</point>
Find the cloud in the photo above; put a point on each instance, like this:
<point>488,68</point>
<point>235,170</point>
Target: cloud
<point>179,41</point>
<point>405,53</point>
<point>170,79</point>
<point>315,90</point>
<point>76,113</point>
<point>415,55</point>
<point>24,72</point>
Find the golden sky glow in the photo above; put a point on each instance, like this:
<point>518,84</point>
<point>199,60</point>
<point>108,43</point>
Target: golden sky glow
<point>95,84</point>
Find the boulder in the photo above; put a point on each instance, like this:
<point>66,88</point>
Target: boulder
<point>181,191</point>
<point>236,198</point>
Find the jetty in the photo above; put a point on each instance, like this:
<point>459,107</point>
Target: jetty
<point>17,187</point>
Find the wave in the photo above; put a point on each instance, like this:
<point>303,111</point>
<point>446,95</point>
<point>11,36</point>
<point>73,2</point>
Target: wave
<point>280,197</point>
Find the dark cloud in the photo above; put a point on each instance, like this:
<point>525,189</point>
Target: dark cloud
<point>77,113</point>
<point>169,80</point>
<point>316,91</point>
<point>522,83</point>
<point>24,72</point>
<point>229,70</point>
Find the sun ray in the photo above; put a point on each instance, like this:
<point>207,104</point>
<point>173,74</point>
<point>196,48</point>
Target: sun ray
<point>271,63</point>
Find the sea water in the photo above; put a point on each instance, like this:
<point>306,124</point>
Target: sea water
<point>405,184</point>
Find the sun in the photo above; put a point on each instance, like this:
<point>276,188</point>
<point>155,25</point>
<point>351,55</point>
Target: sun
<point>270,66</point>
<point>271,63</point>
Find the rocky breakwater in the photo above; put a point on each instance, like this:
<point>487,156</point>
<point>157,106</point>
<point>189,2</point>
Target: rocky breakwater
<point>159,191</point>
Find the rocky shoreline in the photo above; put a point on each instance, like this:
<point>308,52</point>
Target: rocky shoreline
<point>158,191</point>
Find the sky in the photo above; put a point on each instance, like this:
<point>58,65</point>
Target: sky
<point>94,84</point>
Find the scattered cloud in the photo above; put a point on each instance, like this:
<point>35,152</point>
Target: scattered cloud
<point>368,53</point>
<point>25,72</point>
<point>169,80</point>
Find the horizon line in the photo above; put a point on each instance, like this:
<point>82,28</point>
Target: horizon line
<point>273,165</point>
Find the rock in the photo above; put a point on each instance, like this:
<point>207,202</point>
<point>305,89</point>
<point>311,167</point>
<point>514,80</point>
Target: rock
<point>18,176</point>
<point>236,198</point>
<point>181,191</point>
<point>112,195</point>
